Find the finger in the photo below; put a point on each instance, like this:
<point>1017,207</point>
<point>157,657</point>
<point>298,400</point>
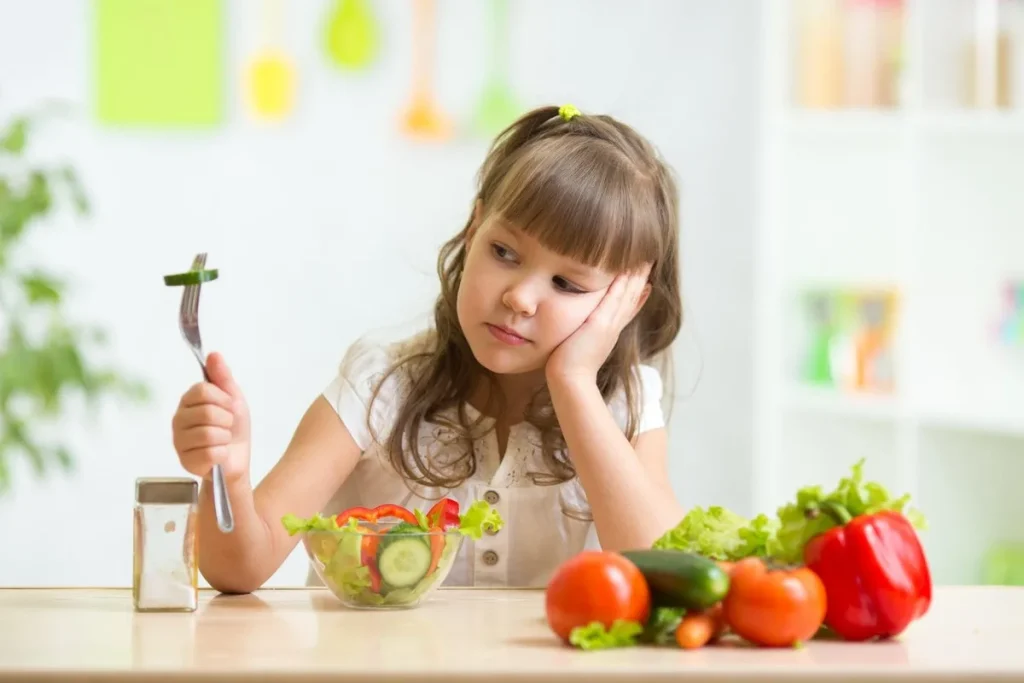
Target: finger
<point>206,414</point>
<point>607,310</point>
<point>201,437</point>
<point>200,461</point>
<point>205,393</point>
<point>630,299</point>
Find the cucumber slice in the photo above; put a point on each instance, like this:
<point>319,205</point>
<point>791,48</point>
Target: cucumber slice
<point>192,277</point>
<point>404,561</point>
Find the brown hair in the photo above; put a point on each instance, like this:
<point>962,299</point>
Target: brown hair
<point>589,188</point>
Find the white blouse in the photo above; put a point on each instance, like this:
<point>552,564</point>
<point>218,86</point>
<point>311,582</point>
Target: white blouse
<point>537,535</point>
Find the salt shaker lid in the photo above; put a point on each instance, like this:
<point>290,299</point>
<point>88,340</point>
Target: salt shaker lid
<point>166,490</point>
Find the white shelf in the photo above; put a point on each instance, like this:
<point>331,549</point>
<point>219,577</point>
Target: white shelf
<point>922,197</point>
<point>824,401</point>
<point>970,417</point>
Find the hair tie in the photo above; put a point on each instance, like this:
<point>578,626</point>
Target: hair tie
<point>568,112</point>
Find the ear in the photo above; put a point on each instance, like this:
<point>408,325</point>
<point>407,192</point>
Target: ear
<point>478,215</point>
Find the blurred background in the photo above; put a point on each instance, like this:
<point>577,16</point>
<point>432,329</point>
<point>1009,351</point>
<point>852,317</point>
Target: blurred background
<point>853,260</point>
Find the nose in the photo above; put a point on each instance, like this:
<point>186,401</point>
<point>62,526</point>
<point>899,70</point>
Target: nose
<point>520,298</point>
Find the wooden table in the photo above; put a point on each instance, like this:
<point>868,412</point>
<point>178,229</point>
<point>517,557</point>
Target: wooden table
<point>302,635</point>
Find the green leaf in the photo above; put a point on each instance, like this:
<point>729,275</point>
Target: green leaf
<point>479,517</point>
<point>15,137</point>
<point>594,636</point>
<point>41,289</point>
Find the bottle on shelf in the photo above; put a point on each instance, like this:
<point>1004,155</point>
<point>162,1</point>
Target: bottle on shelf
<point>819,55</point>
<point>988,55</point>
<point>873,41</point>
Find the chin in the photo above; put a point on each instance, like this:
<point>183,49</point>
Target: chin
<point>504,360</point>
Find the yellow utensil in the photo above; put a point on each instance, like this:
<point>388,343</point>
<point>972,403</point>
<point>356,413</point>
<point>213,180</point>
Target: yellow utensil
<point>271,77</point>
<point>351,34</point>
<point>423,118</point>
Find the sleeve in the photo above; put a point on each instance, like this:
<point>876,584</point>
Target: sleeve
<point>651,414</point>
<point>351,392</point>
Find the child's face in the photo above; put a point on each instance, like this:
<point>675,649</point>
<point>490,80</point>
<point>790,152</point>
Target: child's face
<point>519,300</point>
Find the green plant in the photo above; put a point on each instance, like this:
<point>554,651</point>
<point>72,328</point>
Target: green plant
<point>44,356</point>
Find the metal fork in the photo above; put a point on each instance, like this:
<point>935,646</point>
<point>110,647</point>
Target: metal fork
<point>188,321</point>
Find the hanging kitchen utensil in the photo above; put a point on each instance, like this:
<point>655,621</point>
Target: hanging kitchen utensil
<point>351,35</point>
<point>271,78</point>
<point>423,118</point>
<point>497,106</point>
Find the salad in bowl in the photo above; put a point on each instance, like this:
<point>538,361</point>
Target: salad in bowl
<point>389,556</point>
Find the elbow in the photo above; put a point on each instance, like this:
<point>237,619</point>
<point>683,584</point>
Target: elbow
<point>232,583</point>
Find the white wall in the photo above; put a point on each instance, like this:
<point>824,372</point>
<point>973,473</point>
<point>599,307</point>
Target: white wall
<point>328,226</point>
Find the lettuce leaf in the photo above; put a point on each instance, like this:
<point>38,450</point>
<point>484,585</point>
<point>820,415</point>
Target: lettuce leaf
<point>720,534</point>
<point>478,517</point>
<point>594,636</point>
<point>802,519</point>
<point>295,525</point>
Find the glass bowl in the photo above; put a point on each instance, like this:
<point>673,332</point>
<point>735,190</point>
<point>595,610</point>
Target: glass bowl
<point>381,565</point>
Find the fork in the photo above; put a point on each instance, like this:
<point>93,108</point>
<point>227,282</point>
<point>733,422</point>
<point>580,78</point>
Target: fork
<point>188,321</point>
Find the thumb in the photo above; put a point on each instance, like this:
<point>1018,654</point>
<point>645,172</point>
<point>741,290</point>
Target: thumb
<point>220,374</point>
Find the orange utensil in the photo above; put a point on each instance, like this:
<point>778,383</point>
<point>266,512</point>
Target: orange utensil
<point>422,118</point>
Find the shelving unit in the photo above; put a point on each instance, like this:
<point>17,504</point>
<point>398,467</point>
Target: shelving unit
<point>923,197</point>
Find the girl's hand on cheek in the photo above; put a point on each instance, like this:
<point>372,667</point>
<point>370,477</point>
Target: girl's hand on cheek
<point>581,355</point>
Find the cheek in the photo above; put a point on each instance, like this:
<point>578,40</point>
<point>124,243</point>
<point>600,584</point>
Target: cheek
<point>567,315</point>
<point>468,301</point>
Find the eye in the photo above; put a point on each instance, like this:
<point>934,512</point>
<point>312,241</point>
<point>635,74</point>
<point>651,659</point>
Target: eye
<point>503,253</point>
<point>564,285</point>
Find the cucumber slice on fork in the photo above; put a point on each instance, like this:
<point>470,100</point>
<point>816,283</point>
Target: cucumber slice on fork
<point>192,277</point>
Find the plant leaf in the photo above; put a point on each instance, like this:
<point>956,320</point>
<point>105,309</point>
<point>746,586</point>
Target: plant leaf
<point>15,137</point>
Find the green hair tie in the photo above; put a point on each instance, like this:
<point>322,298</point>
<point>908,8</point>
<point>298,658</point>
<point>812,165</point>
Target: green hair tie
<point>568,112</point>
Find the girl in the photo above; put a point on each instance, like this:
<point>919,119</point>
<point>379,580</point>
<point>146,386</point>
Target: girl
<point>534,389</point>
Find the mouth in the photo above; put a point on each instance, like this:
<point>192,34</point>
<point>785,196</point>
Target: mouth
<point>507,335</point>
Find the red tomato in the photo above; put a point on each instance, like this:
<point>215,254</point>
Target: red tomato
<point>595,586</point>
<point>774,607</point>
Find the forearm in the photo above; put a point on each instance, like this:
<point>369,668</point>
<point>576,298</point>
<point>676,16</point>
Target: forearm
<point>237,562</point>
<point>630,509</point>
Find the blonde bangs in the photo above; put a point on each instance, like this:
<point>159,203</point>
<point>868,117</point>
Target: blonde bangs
<point>583,200</point>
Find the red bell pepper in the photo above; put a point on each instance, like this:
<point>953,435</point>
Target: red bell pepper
<point>368,556</point>
<point>444,514</point>
<point>875,573</point>
<point>376,514</point>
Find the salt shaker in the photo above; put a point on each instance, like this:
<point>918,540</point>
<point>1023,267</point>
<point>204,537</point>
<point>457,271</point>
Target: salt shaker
<point>166,574</point>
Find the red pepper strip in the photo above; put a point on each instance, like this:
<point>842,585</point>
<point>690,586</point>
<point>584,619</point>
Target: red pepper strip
<point>437,543</point>
<point>393,511</point>
<point>368,555</point>
<point>376,514</point>
<point>875,572</point>
<point>363,514</point>
<point>444,514</point>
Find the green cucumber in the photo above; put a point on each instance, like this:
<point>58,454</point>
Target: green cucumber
<point>403,560</point>
<point>680,579</point>
<point>192,277</point>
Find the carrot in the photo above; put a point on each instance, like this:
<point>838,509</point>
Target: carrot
<point>695,630</point>
<point>717,614</point>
